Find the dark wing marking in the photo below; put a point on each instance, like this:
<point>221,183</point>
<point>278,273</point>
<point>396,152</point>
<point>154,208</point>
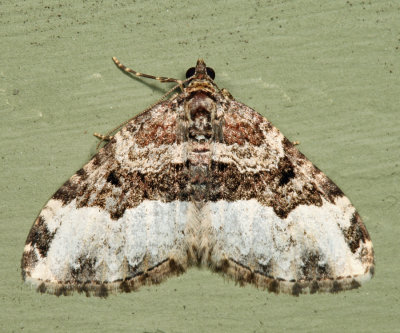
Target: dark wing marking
<point>278,221</point>
<point>119,221</point>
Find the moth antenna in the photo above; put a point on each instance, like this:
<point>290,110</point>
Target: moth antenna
<point>108,134</point>
<point>131,71</point>
<point>180,84</point>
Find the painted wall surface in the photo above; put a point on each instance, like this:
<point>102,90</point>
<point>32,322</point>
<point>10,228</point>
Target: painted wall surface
<point>326,73</point>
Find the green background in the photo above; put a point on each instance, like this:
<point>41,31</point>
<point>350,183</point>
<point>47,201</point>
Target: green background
<point>325,73</point>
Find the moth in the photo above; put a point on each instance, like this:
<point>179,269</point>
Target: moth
<point>197,179</point>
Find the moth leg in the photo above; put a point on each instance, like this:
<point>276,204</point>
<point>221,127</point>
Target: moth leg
<point>103,137</point>
<point>296,143</point>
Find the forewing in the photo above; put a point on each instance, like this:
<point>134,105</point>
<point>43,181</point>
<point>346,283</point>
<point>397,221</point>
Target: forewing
<point>119,221</point>
<point>276,220</point>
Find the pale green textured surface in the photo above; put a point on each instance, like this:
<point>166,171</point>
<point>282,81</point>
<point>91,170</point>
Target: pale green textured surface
<point>326,73</point>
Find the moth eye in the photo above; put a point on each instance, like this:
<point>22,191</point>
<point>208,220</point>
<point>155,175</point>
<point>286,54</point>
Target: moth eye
<point>210,73</point>
<point>190,72</point>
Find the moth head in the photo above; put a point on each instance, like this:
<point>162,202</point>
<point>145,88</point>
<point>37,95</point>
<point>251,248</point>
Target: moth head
<point>200,71</point>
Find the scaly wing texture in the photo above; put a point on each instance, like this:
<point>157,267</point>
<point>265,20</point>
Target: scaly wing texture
<point>275,219</point>
<point>119,222</point>
<point>198,179</point>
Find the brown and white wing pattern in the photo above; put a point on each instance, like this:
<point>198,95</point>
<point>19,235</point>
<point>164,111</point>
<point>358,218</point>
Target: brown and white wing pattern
<point>276,220</point>
<point>119,221</point>
<point>199,179</point>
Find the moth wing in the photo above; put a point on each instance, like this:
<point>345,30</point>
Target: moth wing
<point>275,220</point>
<point>119,222</point>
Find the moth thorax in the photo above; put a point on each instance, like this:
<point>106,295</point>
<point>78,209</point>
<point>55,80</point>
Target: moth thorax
<point>200,111</point>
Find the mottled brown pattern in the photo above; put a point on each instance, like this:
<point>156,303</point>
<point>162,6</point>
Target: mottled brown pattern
<point>160,129</point>
<point>239,130</point>
<point>211,180</point>
<point>107,178</point>
<point>100,158</point>
<point>67,192</point>
<point>356,233</point>
<point>296,289</point>
<point>336,287</point>
<point>314,287</point>
<point>42,288</point>
<point>323,283</point>
<point>130,188</point>
<point>187,130</point>
<point>266,270</point>
<point>227,183</point>
<point>40,237</point>
<point>153,275</point>
<point>83,270</point>
<point>312,269</point>
<point>326,186</point>
<point>82,174</point>
<point>28,259</point>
